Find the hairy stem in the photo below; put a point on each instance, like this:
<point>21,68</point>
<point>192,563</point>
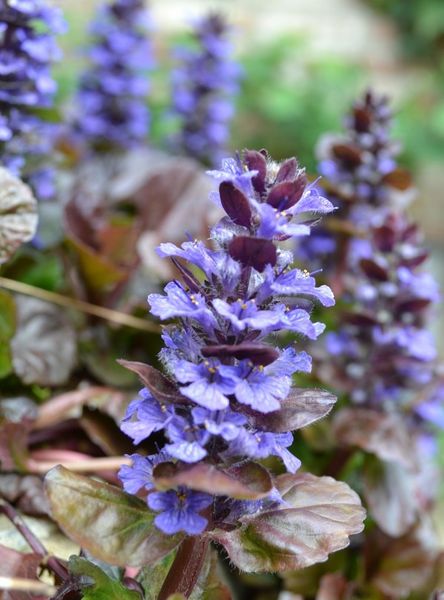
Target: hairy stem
<point>36,545</point>
<point>186,568</point>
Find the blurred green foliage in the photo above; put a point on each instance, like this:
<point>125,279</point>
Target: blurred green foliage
<point>287,99</point>
<point>287,102</point>
<point>421,23</point>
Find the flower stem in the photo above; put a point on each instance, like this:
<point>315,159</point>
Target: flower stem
<point>36,545</point>
<point>186,568</point>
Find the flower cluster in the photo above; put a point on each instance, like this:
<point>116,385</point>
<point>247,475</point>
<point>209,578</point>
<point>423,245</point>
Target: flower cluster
<point>225,377</point>
<point>112,95</point>
<point>382,352</point>
<point>203,88</point>
<point>361,177</point>
<point>27,49</point>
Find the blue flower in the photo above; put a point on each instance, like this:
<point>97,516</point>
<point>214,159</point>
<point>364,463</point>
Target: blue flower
<point>139,475</point>
<point>210,384</point>
<point>242,314</point>
<point>257,389</point>
<point>179,510</point>
<point>144,416</point>
<point>179,303</point>
<point>187,441</point>
<point>297,282</point>
<point>224,423</point>
<point>261,444</point>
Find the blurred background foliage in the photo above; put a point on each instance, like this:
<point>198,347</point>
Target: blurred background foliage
<point>289,95</point>
<point>421,23</point>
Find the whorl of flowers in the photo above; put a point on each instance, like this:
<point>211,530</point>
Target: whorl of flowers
<point>222,404</point>
<point>27,49</point>
<point>204,85</point>
<point>112,111</point>
<point>383,353</point>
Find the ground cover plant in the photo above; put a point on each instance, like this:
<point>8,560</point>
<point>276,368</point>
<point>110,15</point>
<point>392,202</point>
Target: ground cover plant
<point>217,442</point>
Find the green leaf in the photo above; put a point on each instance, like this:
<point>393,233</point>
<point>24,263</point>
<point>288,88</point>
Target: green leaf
<point>152,577</point>
<point>113,526</point>
<point>98,585</point>
<point>322,513</point>
<point>99,273</point>
<point>7,330</point>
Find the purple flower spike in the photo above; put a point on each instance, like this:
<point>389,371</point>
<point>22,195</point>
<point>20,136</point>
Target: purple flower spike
<point>224,378</point>
<point>27,50</point>
<point>112,113</point>
<point>204,84</point>
<point>382,349</point>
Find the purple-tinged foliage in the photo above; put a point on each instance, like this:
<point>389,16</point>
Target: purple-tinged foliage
<point>204,84</point>
<point>227,375</point>
<point>27,50</point>
<point>112,111</point>
<point>382,352</point>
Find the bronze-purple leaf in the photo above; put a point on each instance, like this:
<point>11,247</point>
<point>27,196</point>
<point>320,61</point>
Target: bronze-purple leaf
<point>350,155</point>
<point>384,238</point>
<point>287,170</point>
<point>259,354</point>
<point>334,586</point>
<point>249,481</point>
<point>112,525</point>
<point>160,386</point>
<point>382,434</point>
<point>256,162</point>
<point>373,270</point>
<point>235,203</point>
<point>406,563</point>
<point>361,319</point>
<point>319,517</point>
<point>399,179</point>
<point>187,276</point>
<point>300,408</point>
<point>416,260</point>
<point>253,252</point>
<point>390,495</point>
<point>16,419</point>
<point>18,565</point>
<point>362,119</point>
<point>412,306</point>
<point>286,194</point>
<point>44,347</point>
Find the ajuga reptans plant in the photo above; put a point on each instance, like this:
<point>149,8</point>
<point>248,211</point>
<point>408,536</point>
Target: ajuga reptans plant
<point>226,402</point>
<point>27,49</point>
<point>204,85</point>
<point>381,360</point>
<point>112,110</point>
